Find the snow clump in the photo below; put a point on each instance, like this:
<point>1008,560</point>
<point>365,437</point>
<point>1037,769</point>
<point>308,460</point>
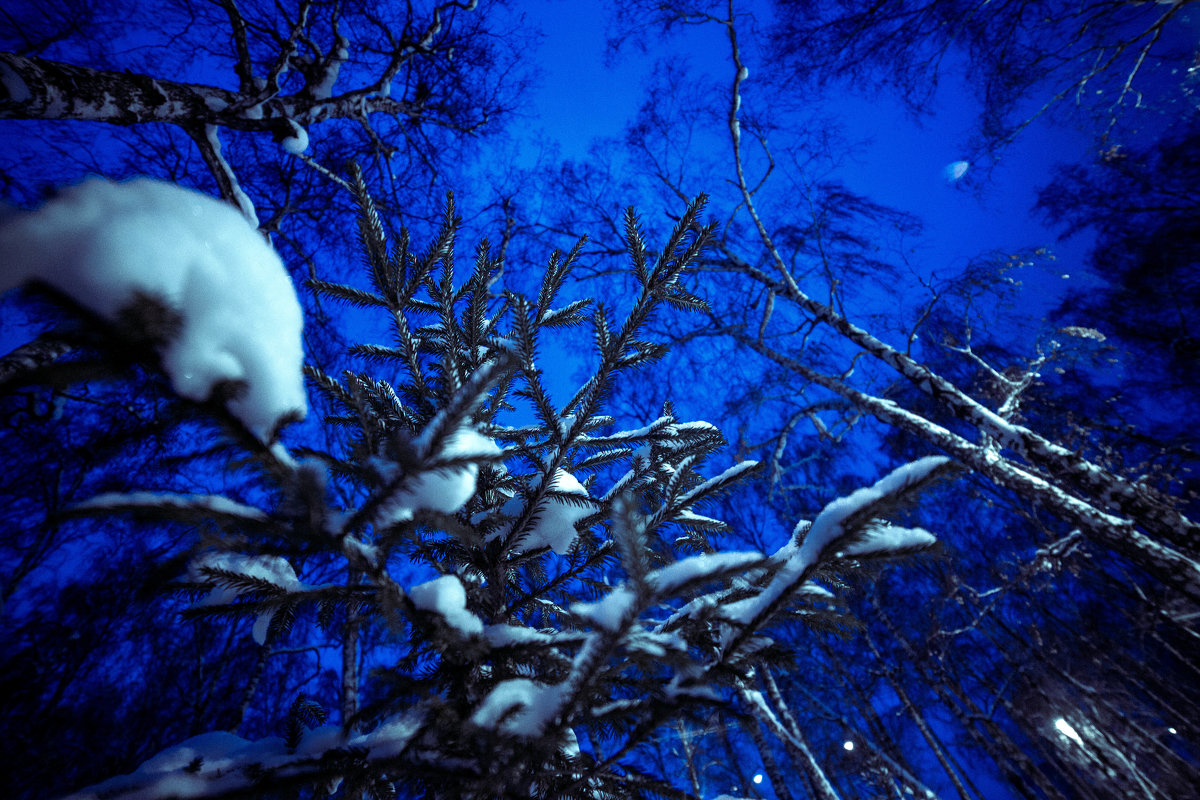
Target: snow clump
<point>447,489</point>
<point>955,171</point>
<point>231,313</point>
<point>273,569</point>
<point>446,596</point>
<point>555,526</point>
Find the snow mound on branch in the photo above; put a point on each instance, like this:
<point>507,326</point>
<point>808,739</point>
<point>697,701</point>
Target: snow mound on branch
<point>208,746</point>
<point>827,528</point>
<point>446,596</point>
<point>954,171</point>
<point>520,706</point>
<point>297,143</point>
<point>555,526</point>
<point>272,569</point>
<point>228,310</point>
<point>882,538</point>
<point>447,489</point>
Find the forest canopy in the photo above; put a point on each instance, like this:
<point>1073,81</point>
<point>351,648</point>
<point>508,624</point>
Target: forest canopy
<point>374,430</point>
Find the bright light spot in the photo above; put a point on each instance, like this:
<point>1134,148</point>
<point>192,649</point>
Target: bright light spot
<point>956,170</point>
<point>849,745</point>
<point>1066,730</point>
<point>1171,730</point>
<point>758,778</point>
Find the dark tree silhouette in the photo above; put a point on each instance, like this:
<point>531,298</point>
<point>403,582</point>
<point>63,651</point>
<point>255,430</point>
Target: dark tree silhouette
<point>1024,59</point>
<point>1141,203</point>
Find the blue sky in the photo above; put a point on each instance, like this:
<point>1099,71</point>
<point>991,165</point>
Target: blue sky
<point>581,95</point>
<point>584,92</point>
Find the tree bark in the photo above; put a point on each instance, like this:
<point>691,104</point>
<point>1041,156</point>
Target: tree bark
<point>45,349</point>
<point>37,88</point>
<point>1158,559</point>
<point>1141,504</point>
<point>350,661</point>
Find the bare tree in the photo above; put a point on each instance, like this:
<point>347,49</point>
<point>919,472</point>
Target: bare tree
<point>979,431</point>
<point>286,69</point>
<point>265,104</point>
<point>1025,58</point>
<point>818,341</point>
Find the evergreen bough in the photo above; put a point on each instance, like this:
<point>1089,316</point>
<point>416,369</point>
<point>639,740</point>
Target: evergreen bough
<point>555,624</point>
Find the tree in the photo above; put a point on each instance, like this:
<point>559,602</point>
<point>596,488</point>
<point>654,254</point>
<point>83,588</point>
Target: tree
<point>204,98</point>
<point>800,341</point>
<point>274,99</point>
<point>540,628</point>
<point>1141,203</point>
<point>1138,522</point>
<point>1025,59</point>
<point>260,103</point>
<point>820,362</point>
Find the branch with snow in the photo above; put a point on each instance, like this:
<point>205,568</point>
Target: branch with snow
<point>847,527</point>
<point>198,278</point>
<point>36,88</point>
<point>224,571</point>
<point>220,764</point>
<point>172,505</point>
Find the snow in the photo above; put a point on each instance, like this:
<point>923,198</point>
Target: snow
<point>689,517</point>
<point>297,143</point>
<point>444,490</point>
<point>208,746</point>
<point>555,526</point>
<point>825,532</point>
<point>446,596</point>
<point>14,85</point>
<point>166,774</point>
<point>827,527</point>
<point>223,764</point>
<point>571,744</point>
<point>355,548</point>
<point>324,88</point>
<point>955,171</point>
<point>663,427</point>
<point>1083,333</point>
<point>529,706</point>
<point>728,476</point>
<point>1067,730</point>
<point>273,569</point>
<point>509,635</point>
<point>390,738</point>
<point>697,426</point>
<point>668,580</point>
<point>240,197</point>
<point>207,503</point>
<point>889,538</point>
<point>318,740</point>
<point>616,608</point>
<point>111,245</point>
<point>609,613</point>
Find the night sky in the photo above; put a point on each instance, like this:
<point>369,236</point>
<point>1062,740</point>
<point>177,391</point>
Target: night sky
<point>597,83</point>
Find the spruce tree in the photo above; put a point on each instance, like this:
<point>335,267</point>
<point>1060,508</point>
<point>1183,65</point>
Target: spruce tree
<point>547,589</point>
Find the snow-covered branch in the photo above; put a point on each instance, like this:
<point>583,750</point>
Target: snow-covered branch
<point>178,269</point>
<point>37,88</point>
<point>220,764</point>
